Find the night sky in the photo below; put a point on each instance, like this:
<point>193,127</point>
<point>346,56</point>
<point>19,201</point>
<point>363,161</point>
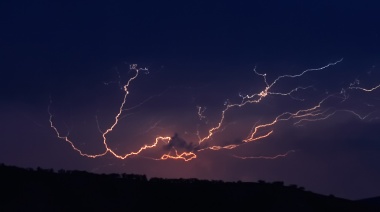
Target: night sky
<point>319,60</point>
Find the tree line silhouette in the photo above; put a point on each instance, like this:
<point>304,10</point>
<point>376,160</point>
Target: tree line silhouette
<point>47,190</point>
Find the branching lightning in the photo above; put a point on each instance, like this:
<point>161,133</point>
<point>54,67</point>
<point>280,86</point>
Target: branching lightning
<point>110,129</point>
<point>259,131</point>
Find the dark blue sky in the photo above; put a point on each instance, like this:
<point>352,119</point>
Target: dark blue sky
<point>77,54</point>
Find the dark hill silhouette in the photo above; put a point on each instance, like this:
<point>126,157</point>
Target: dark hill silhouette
<point>371,201</point>
<point>46,190</point>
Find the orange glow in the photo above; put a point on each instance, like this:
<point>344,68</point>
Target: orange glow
<point>186,156</point>
<point>232,146</point>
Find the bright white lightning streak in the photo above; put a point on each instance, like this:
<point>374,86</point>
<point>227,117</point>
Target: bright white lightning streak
<point>110,129</point>
<point>258,131</point>
<point>364,89</point>
<point>248,99</point>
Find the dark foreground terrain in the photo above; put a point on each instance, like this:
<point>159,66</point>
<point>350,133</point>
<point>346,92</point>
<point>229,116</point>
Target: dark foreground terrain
<point>46,190</point>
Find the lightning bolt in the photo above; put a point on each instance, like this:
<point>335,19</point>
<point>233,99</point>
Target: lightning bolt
<point>266,157</point>
<point>110,129</point>
<point>258,97</point>
<point>365,89</point>
<point>200,112</point>
<point>257,132</point>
